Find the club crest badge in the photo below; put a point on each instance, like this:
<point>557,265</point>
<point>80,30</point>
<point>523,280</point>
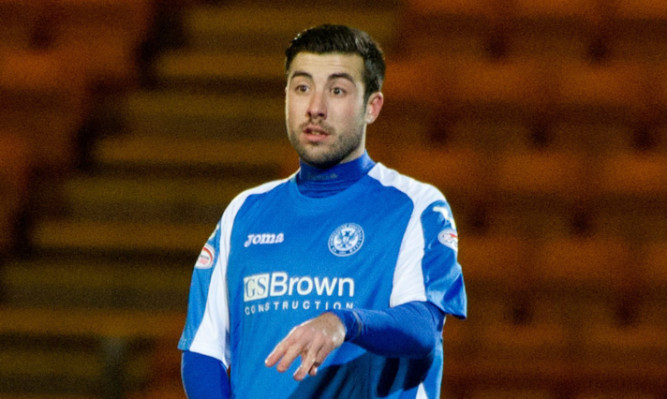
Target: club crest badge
<point>346,240</point>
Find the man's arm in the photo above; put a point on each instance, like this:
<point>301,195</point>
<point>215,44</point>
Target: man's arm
<point>411,329</point>
<point>408,330</point>
<point>204,377</point>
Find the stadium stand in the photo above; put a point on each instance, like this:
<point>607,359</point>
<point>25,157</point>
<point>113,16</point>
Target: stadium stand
<point>543,122</point>
<point>639,26</point>
<point>539,192</point>
<point>20,23</point>
<point>101,37</point>
<point>45,102</point>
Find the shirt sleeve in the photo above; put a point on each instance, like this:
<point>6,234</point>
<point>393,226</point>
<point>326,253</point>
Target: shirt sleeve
<point>443,276</point>
<point>207,324</point>
<point>409,330</point>
<point>204,377</point>
<point>427,269</point>
<point>428,285</point>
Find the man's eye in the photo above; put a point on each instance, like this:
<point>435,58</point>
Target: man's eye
<point>300,88</point>
<point>337,91</point>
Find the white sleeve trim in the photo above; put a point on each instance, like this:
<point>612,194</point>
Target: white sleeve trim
<point>213,336</point>
<point>408,281</point>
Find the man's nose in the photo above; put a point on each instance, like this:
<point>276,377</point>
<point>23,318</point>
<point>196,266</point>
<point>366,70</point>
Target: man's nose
<point>317,108</point>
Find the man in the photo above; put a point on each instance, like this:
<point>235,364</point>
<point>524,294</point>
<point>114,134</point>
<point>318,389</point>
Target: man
<point>341,274</point>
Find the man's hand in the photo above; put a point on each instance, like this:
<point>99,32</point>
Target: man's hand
<point>313,340</point>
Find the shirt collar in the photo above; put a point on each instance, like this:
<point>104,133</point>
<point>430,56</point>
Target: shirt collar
<point>316,182</point>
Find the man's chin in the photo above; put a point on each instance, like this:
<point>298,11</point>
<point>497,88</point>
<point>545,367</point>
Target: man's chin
<point>321,161</point>
<point>321,164</point>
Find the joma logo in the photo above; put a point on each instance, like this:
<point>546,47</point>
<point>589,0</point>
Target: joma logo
<point>263,239</point>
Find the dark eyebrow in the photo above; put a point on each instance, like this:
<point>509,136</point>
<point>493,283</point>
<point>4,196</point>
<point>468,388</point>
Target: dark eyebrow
<point>301,73</point>
<point>333,76</point>
<point>343,75</point>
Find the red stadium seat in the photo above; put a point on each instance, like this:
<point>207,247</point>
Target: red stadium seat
<point>622,361</point>
<point>517,86</point>
<point>460,27</point>
<point>557,29</point>
<point>635,175</point>
<point>583,280</point>
<point>604,91</point>
<point>574,263</point>
<point>493,105</point>
<point>654,269</point>
<point>461,174</point>
<point>639,30</point>
<point>101,36</point>
<point>14,178</point>
<point>415,91</point>
<point>20,22</point>
<point>495,262</point>
<point>498,275</point>
<point>653,275</point>
<point>630,196</point>
<point>597,106</point>
<point>542,174</point>
<point>457,171</point>
<point>539,193</point>
<point>44,101</point>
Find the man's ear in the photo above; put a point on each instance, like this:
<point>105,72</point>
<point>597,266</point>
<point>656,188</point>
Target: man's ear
<point>373,106</point>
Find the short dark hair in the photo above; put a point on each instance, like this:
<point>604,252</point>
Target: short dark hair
<point>342,39</point>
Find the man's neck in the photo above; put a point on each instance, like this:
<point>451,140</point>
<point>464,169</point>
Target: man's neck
<point>318,183</point>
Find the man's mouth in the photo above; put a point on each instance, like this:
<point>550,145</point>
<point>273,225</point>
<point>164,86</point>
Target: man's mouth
<point>315,130</point>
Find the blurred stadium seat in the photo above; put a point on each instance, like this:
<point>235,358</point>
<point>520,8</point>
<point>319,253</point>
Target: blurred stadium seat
<point>15,168</point>
<point>102,37</point>
<point>43,100</point>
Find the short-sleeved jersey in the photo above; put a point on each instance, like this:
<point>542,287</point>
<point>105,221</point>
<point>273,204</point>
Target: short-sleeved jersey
<point>278,258</point>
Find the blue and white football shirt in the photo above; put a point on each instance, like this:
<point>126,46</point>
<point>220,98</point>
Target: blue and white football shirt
<point>278,258</point>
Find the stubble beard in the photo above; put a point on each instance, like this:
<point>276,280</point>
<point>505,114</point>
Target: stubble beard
<point>323,155</point>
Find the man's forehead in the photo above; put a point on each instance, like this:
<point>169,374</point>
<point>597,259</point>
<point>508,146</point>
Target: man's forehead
<point>328,64</point>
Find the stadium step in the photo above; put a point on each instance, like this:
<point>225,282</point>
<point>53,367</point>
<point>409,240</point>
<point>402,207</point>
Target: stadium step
<point>274,156</point>
<point>143,197</point>
<point>32,367</point>
<point>222,71</point>
<point>274,25</point>
<point>174,113</point>
<point>78,352</point>
<point>99,281</point>
<point>230,51</point>
<point>88,235</point>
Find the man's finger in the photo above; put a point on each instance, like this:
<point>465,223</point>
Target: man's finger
<point>308,359</point>
<point>275,354</point>
<point>311,360</point>
<point>287,351</point>
<point>288,358</point>
<point>281,348</point>
<point>313,340</point>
